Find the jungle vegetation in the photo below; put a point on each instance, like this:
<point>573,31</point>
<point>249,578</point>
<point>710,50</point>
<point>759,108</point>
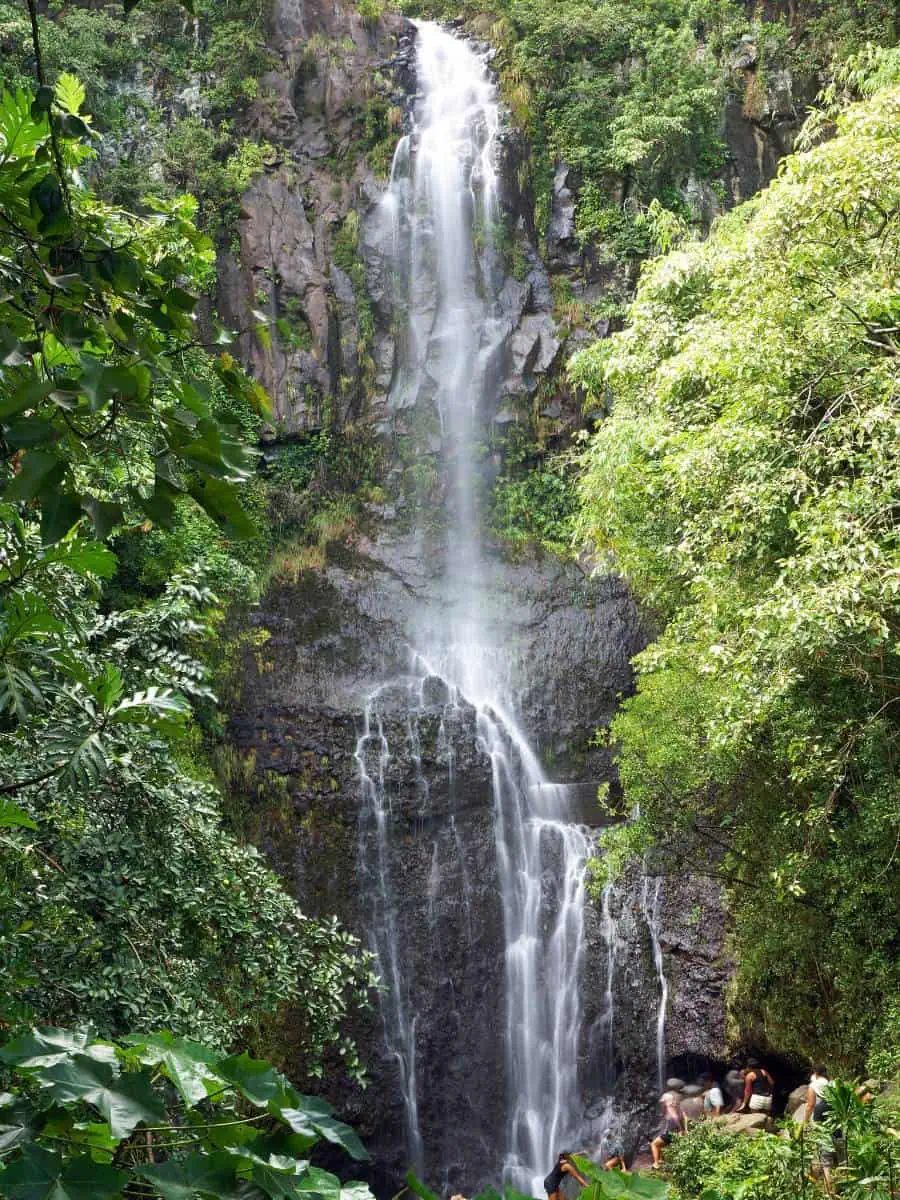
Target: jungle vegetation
<point>746,483</point>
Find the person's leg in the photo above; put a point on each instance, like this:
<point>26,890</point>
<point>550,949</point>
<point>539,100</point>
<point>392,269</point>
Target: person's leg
<point>656,1150</point>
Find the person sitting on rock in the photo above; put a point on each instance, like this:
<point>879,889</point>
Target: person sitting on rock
<point>713,1100</point>
<point>564,1166</point>
<point>673,1121</point>
<point>758,1088</point>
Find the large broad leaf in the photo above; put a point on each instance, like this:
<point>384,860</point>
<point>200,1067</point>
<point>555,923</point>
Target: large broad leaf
<point>144,705</point>
<point>255,1079</point>
<point>273,1171</point>
<point>39,471</point>
<point>207,1174</point>
<point>220,500</point>
<point>19,131</point>
<point>354,1190</point>
<point>614,1185</point>
<point>16,1125</point>
<point>84,558</point>
<point>307,1116</point>
<point>125,1100</point>
<point>47,1046</point>
<point>190,1066</point>
<point>588,1168</point>
<point>321,1183</point>
<point>60,513</point>
<point>44,1175</point>
<point>329,1127</point>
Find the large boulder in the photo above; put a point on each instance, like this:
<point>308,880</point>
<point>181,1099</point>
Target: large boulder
<point>746,1123</point>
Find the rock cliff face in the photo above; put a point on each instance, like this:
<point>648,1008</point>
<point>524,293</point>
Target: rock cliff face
<point>333,658</point>
<point>337,656</point>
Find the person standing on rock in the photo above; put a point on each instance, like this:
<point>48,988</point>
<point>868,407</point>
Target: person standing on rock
<point>758,1088</point>
<point>564,1166</point>
<point>673,1120</point>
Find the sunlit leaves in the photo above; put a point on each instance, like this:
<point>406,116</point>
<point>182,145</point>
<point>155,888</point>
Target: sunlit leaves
<point>213,1153</point>
<point>87,353</point>
<point>746,482</point>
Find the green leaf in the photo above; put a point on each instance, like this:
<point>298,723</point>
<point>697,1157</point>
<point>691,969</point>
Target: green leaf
<point>209,1174</point>
<point>20,132</point>
<point>87,761</point>
<point>70,93</point>
<point>153,702</point>
<point>356,1191</point>
<point>104,516</point>
<point>29,395</point>
<point>13,817</point>
<point>220,501</point>
<point>38,470</point>
<point>83,557</point>
<point>45,1046</point>
<point>27,432</point>
<point>44,1175</point>
<point>256,1080</point>
<point>47,207</point>
<point>60,513</point>
<point>40,105</point>
<point>17,1125</point>
<point>125,1101</point>
<point>321,1183</point>
<point>416,1186</point>
<point>190,1066</point>
<point>331,1129</point>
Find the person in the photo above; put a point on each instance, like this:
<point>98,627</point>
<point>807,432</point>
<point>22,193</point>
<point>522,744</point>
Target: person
<point>673,1122</point>
<point>758,1088</point>
<point>564,1166</point>
<point>816,1110</point>
<point>612,1152</point>
<point>713,1100</point>
<point>816,1104</point>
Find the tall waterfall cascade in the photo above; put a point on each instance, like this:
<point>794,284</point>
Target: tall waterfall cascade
<point>442,217</point>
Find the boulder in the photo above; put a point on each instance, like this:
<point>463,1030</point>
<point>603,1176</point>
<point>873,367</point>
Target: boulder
<point>746,1123</point>
<point>797,1099</point>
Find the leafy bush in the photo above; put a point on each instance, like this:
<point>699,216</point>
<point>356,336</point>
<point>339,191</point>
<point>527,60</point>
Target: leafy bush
<point>725,1166</point>
<point>745,483</point>
<point>106,1119</point>
<point>122,899</point>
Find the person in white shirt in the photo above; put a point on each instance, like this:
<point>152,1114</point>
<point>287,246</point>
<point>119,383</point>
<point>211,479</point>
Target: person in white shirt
<point>816,1109</point>
<point>713,1100</point>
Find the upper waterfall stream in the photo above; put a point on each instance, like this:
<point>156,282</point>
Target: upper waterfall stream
<point>443,212</point>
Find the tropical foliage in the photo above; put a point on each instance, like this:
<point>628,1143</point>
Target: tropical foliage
<point>122,898</point>
<point>856,1136</point>
<point>158,1115</point>
<point>746,483</point>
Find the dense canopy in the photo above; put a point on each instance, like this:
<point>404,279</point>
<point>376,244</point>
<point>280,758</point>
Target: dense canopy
<point>747,482</point>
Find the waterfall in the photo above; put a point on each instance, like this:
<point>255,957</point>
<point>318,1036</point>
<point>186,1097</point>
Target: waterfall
<point>650,906</point>
<point>442,213</point>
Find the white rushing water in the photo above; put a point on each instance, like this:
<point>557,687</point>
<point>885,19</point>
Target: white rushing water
<point>442,208</point>
<point>650,905</point>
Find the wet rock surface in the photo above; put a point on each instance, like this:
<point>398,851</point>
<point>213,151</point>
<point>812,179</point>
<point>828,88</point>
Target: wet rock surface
<point>328,643</point>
